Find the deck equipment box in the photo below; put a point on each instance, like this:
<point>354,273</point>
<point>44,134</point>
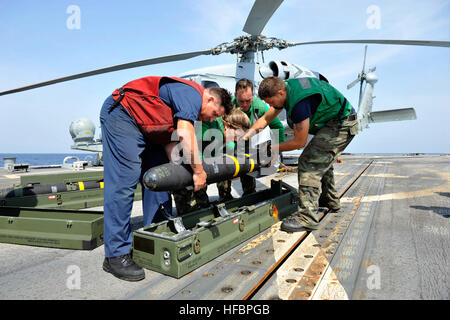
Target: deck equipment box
<point>56,228</point>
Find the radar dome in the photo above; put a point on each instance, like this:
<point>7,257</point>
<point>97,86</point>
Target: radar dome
<point>82,131</point>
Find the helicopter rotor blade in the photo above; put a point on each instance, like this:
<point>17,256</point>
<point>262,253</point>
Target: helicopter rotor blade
<point>146,62</point>
<point>260,14</point>
<point>393,42</point>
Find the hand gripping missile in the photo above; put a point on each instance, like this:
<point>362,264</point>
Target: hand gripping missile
<point>172,177</point>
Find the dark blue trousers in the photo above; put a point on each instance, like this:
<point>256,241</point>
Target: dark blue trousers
<point>126,156</point>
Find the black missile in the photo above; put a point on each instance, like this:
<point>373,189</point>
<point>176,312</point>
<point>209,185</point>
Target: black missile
<point>172,177</point>
<point>36,188</point>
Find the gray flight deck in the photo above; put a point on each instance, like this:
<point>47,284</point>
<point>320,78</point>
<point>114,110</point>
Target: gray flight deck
<point>390,240</point>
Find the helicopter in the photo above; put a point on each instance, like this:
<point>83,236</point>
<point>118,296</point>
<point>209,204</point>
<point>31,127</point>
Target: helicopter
<point>248,48</point>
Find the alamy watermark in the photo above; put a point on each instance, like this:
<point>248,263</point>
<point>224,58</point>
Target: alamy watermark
<point>73,22</point>
<point>373,281</point>
<point>73,282</point>
<point>374,19</point>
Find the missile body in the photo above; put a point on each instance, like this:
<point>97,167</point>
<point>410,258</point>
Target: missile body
<point>172,177</point>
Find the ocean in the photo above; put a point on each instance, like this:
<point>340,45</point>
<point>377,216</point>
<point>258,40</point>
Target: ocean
<point>42,159</point>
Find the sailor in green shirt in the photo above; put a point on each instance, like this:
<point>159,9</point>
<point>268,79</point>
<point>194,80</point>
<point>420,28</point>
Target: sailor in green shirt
<point>226,130</point>
<point>254,108</point>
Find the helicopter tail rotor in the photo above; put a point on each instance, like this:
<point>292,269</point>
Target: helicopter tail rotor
<point>353,83</point>
<point>361,77</point>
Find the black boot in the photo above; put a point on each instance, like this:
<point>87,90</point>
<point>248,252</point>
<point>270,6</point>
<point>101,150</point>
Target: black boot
<point>124,268</point>
<point>292,224</point>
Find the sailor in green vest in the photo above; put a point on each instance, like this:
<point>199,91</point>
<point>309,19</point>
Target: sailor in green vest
<point>226,130</point>
<point>254,108</point>
<point>312,106</point>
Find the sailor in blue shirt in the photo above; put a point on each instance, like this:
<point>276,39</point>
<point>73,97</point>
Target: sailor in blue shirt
<point>128,155</point>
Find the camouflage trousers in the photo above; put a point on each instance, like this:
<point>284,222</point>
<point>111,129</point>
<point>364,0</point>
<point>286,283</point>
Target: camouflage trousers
<point>248,186</point>
<point>315,169</point>
<point>188,200</point>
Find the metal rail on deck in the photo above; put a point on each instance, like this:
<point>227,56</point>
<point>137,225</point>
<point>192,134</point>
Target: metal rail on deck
<point>270,272</point>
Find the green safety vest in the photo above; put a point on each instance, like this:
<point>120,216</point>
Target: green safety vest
<point>257,109</point>
<point>328,109</point>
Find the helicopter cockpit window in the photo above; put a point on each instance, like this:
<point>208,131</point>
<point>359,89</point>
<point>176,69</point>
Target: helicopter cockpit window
<point>320,76</point>
<point>209,84</point>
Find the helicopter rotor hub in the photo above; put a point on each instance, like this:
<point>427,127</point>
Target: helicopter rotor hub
<point>249,43</point>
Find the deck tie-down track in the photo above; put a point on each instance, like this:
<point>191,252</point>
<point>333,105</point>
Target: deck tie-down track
<point>298,273</point>
<point>324,265</point>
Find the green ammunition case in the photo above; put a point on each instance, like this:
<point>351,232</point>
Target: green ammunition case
<point>179,246</point>
<point>56,228</point>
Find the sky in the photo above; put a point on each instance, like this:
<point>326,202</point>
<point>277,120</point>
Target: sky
<point>43,40</point>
